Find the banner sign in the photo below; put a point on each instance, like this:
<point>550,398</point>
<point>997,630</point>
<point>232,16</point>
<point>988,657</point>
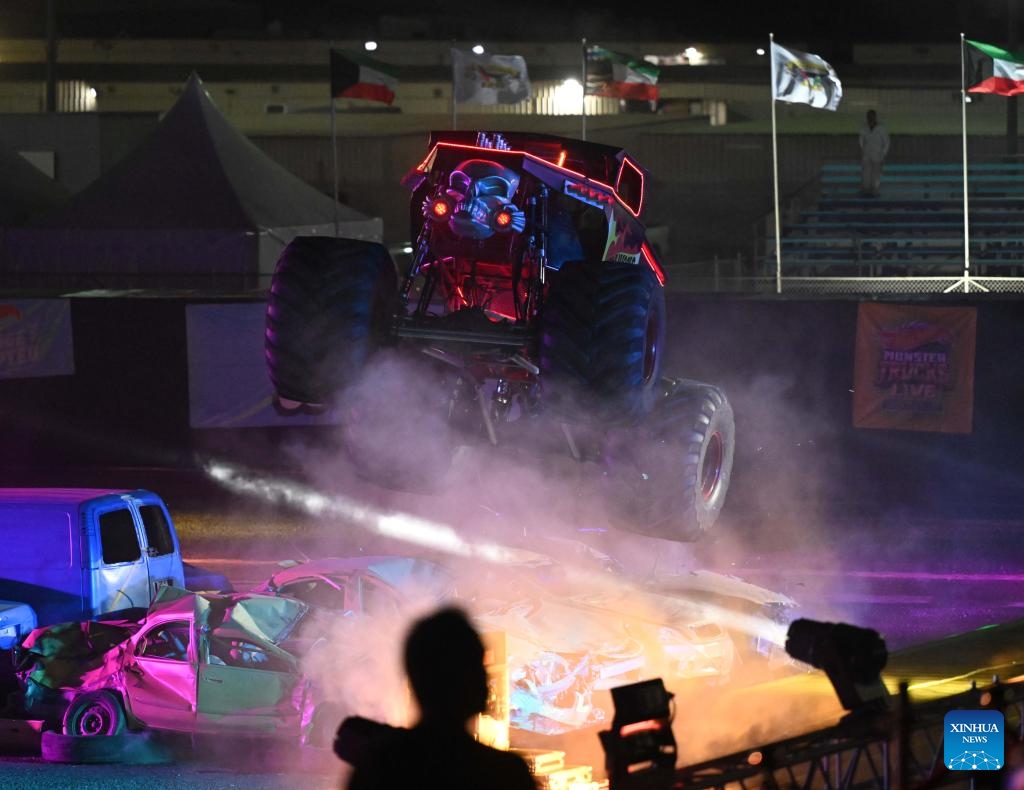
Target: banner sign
<point>228,385</point>
<point>35,338</point>
<point>914,368</point>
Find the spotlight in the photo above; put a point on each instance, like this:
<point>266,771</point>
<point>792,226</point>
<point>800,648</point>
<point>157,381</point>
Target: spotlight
<point>640,749</point>
<point>852,657</point>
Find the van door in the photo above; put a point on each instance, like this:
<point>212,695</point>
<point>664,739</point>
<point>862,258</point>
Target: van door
<point>160,543</point>
<point>120,577</point>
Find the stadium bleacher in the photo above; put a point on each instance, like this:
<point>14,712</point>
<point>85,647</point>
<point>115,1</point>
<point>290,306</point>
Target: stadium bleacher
<point>914,227</point>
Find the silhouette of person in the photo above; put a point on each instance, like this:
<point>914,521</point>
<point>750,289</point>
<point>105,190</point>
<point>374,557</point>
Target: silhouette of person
<point>874,145</point>
<point>444,660</point>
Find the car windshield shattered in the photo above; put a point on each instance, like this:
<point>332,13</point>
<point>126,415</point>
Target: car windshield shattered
<point>272,619</point>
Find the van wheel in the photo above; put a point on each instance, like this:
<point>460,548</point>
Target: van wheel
<point>95,713</point>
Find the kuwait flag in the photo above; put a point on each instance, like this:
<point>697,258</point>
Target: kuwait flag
<point>993,70</point>
<point>356,76</point>
<point>614,74</point>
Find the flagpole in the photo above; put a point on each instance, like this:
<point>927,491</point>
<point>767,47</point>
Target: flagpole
<point>334,148</point>
<point>583,99</point>
<point>963,128</point>
<point>775,173</point>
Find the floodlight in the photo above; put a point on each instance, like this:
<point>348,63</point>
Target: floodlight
<point>852,657</point>
<point>640,749</point>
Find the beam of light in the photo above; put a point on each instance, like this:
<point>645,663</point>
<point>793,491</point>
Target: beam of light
<point>430,534</point>
<point>402,526</point>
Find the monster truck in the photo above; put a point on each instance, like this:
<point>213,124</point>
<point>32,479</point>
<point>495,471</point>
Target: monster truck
<point>539,309</point>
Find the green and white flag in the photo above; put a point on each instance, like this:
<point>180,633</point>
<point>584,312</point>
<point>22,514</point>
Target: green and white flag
<point>619,75</point>
<point>358,76</point>
<point>990,69</point>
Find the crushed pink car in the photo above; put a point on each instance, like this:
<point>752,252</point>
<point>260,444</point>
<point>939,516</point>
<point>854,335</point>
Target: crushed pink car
<point>196,663</point>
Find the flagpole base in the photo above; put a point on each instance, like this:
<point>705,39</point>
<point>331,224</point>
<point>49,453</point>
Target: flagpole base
<point>965,284</point>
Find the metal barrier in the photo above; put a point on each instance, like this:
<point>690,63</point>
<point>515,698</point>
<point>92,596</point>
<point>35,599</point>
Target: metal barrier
<point>900,748</point>
<point>717,277</point>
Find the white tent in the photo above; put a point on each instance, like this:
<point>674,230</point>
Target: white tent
<point>195,206</point>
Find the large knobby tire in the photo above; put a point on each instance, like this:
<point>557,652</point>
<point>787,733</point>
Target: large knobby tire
<point>602,338</point>
<point>670,479</point>
<point>328,309</point>
<point>95,713</point>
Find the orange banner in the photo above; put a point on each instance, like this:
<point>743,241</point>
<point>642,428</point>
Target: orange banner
<point>914,368</point>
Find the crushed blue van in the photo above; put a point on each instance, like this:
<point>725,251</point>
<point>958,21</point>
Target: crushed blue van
<point>84,553</point>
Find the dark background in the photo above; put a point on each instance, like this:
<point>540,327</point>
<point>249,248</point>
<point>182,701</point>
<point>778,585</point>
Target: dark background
<point>825,24</point>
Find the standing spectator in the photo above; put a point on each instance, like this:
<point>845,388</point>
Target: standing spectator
<point>874,145</point>
<point>444,658</point>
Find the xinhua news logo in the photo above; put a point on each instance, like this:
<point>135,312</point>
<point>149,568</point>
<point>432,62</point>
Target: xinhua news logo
<point>973,740</point>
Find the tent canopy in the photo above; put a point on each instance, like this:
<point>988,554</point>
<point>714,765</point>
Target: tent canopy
<point>197,204</point>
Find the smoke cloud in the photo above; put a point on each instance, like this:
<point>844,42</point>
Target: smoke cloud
<point>394,479</point>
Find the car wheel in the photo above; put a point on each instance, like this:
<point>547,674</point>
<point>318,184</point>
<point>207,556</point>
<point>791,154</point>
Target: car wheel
<point>95,713</point>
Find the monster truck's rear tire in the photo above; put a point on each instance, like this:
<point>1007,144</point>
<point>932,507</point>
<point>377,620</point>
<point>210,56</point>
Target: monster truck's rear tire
<point>329,307</point>
<point>670,479</point>
<point>602,338</point>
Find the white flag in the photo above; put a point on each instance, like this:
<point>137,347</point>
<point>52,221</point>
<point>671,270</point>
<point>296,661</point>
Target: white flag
<point>489,79</point>
<point>801,78</point>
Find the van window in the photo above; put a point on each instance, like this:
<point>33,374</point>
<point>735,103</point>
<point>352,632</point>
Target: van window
<point>118,538</point>
<point>158,531</point>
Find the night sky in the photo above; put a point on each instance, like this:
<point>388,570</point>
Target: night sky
<point>816,23</point>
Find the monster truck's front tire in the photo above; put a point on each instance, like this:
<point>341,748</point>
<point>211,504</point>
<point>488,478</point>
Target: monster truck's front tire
<point>602,338</point>
<point>329,307</point>
<point>670,479</point>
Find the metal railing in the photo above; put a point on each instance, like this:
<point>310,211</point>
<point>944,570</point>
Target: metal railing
<point>900,748</point>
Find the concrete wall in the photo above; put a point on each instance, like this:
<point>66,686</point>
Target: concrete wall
<point>83,145</point>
